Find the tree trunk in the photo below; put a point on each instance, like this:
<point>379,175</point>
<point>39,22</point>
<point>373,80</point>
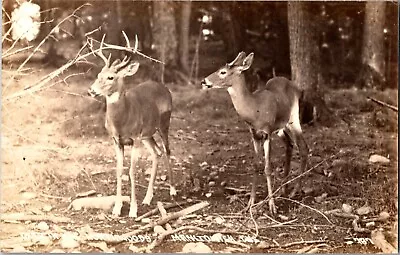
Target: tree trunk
<point>305,62</point>
<point>373,56</point>
<point>165,40</point>
<point>184,36</point>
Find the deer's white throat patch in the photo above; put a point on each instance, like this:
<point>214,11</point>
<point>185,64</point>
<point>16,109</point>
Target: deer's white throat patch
<point>231,91</point>
<point>113,98</point>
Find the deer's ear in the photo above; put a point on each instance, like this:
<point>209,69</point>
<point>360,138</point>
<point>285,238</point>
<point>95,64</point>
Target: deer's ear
<point>247,62</point>
<point>238,59</point>
<point>131,69</point>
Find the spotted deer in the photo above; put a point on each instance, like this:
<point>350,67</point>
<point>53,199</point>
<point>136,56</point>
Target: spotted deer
<point>271,109</point>
<point>133,114</point>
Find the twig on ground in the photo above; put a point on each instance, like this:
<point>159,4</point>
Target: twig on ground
<point>391,107</point>
<point>169,217</point>
<point>293,179</point>
<point>255,222</point>
<point>356,218</point>
<point>286,223</point>
<point>277,222</point>
<point>303,242</point>
<point>161,209</point>
<point>55,197</point>
<point>306,172</point>
<point>307,206</point>
<point>25,217</point>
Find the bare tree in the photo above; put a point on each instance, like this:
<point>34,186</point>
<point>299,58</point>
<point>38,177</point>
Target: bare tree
<point>184,35</point>
<point>304,58</point>
<point>373,55</point>
<point>165,40</point>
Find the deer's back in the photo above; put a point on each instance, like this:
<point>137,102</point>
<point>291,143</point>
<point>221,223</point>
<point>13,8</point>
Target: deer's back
<point>151,91</point>
<point>277,101</point>
<point>142,112</point>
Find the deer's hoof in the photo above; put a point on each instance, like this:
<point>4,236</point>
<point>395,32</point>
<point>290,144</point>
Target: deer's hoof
<point>147,199</point>
<point>249,205</point>
<point>272,207</point>
<point>295,191</point>
<point>117,210</point>
<point>133,213</point>
<point>172,191</point>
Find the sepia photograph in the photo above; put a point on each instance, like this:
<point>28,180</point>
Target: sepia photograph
<point>160,126</point>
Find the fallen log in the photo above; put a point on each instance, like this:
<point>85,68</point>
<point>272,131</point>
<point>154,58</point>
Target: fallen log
<point>104,203</point>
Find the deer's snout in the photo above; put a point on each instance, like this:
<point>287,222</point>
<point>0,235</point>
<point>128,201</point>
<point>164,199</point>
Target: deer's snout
<point>206,84</point>
<point>92,93</point>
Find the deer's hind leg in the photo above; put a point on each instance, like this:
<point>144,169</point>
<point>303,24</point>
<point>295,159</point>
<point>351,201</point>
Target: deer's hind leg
<point>152,147</point>
<point>267,170</point>
<point>286,137</point>
<point>163,131</point>
<point>297,136</point>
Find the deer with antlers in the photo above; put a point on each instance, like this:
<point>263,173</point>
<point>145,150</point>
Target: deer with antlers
<point>133,114</point>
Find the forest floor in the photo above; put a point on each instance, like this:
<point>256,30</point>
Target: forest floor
<point>54,147</point>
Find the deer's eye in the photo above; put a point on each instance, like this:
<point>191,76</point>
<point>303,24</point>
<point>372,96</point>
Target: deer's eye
<point>222,72</point>
<point>110,78</point>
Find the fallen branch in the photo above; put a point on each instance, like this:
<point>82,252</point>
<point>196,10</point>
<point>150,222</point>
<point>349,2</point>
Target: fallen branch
<point>86,193</point>
<point>280,224</point>
<point>293,179</point>
<point>55,197</point>
<point>162,210</point>
<point>302,242</point>
<point>162,221</point>
<point>309,207</point>
<point>168,218</point>
<point>391,107</point>
<point>154,211</point>
<point>25,217</point>
<point>356,218</point>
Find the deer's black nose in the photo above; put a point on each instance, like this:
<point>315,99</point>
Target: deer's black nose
<point>205,84</point>
<point>92,93</point>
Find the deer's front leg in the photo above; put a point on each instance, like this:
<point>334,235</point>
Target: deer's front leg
<point>257,144</point>
<point>119,149</point>
<point>267,170</point>
<point>132,173</point>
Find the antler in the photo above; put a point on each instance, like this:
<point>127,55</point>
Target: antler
<point>128,49</point>
<point>126,59</point>
<point>99,52</point>
<point>119,65</point>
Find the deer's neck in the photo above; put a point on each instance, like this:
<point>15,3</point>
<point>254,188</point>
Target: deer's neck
<point>118,109</point>
<point>241,97</point>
